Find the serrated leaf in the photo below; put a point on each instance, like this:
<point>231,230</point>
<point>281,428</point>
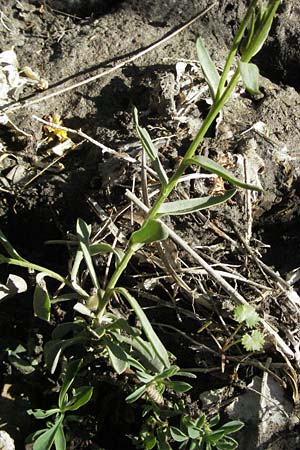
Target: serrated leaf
<point>209,69</point>
<point>152,231</point>
<point>41,300</point>
<point>213,167</point>
<point>180,207</point>
<point>178,435</point>
<point>250,74</point>
<point>247,314</point>
<point>253,342</point>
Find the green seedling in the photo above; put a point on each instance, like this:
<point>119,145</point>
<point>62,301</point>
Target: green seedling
<point>200,433</point>
<point>247,317</point>
<point>68,401</point>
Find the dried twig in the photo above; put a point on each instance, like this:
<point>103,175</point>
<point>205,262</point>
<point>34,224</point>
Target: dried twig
<point>150,48</point>
<point>234,294</point>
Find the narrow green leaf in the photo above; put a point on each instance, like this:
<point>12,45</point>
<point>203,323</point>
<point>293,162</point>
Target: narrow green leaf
<point>178,435</point>
<point>72,370</point>
<point>157,345</point>
<point>213,167</point>
<point>200,421</point>
<point>180,207</point>
<point>144,137</point>
<point>62,329</point>
<point>46,440</point>
<point>9,248</point>
<point>215,436</point>
<point>150,149</point>
<point>262,28</point>
<point>209,69</point>
<point>83,232</point>
<point>80,397</point>
<point>100,247</point>
<point>167,373</point>
<point>214,420</point>
<point>194,433</point>
<point>150,442</point>
<point>117,356</point>
<point>250,73</point>
<point>179,386</point>
<point>41,300</point>
<point>158,167</point>
<point>233,426</point>
<point>136,394</point>
<point>60,440</point>
<point>150,232</point>
<point>227,443</point>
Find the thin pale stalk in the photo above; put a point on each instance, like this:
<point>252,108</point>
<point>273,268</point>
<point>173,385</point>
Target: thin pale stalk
<point>50,273</point>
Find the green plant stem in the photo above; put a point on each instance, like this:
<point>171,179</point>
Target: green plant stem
<point>50,273</point>
<point>113,281</point>
<point>166,190</point>
<point>217,106</point>
<point>234,48</point>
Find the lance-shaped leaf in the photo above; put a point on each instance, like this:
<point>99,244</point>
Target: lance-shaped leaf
<point>41,299</point>
<point>209,69</point>
<point>9,248</point>
<point>250,73</point>
<point>150,149</point>
<point>60,439</point>
<point>45,441</point>
<point>213,167</point>
<point>80,397</point>
<point>83,232</point>
<point>156,343</point>
<point>263,25</point>
<point>150,232</point>
<point>180,207</point>
<point>117,356</point>
<point>72,370</point>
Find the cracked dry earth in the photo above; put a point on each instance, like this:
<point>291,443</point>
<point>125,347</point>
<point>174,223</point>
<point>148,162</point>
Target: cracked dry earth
<point>42,194</point>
